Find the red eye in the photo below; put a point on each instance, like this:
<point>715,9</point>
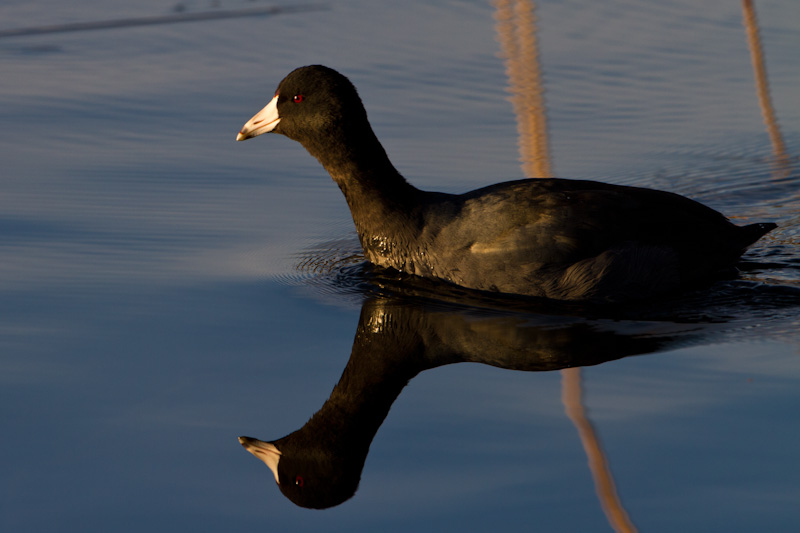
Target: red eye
<point>297,98</point>
<point>299,479</point>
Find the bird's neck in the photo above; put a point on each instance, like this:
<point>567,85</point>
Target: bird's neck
<point>381,201</point>
<point>387,353</point>
<point>359,165</point>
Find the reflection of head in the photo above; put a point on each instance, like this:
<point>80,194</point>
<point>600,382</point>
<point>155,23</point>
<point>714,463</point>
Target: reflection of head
<point>313,470</point>
<point>318,481</point>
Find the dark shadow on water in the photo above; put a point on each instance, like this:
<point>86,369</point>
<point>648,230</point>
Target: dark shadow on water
<point>408,325</point>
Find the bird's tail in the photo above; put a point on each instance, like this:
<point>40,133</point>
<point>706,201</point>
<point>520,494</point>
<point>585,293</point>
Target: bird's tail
<point>752,232</point>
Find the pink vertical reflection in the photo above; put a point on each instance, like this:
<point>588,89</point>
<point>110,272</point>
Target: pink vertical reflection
<point>516,31</point>
<point>762,85</point>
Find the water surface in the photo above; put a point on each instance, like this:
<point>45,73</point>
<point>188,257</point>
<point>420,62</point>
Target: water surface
<point>166,289</point>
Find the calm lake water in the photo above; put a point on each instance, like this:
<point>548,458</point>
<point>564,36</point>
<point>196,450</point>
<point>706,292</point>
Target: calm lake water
<point>164,289</point>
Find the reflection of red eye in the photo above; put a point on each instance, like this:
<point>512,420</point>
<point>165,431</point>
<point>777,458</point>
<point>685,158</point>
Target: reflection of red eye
<point>297,98</point>
<point>299,479</point>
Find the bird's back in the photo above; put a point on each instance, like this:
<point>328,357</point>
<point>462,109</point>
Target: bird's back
<point>576,239</point>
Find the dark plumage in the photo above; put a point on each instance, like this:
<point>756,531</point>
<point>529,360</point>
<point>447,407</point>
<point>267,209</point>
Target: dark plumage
<point>553,238</point>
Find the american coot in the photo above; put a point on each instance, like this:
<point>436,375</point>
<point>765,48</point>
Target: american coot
<point>553,238</point>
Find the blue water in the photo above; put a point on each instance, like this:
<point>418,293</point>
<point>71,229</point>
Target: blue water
<point>164,289</point>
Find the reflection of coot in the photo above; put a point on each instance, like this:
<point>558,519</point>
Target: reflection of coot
<point>320,465</point>
<point>562,239</point>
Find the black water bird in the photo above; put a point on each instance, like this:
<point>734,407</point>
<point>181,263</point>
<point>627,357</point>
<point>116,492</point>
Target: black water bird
<point>553,238</point>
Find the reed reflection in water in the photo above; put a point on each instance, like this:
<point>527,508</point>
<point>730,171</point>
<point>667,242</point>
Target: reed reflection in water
<point>516,32</point>
<point>762,86</point>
